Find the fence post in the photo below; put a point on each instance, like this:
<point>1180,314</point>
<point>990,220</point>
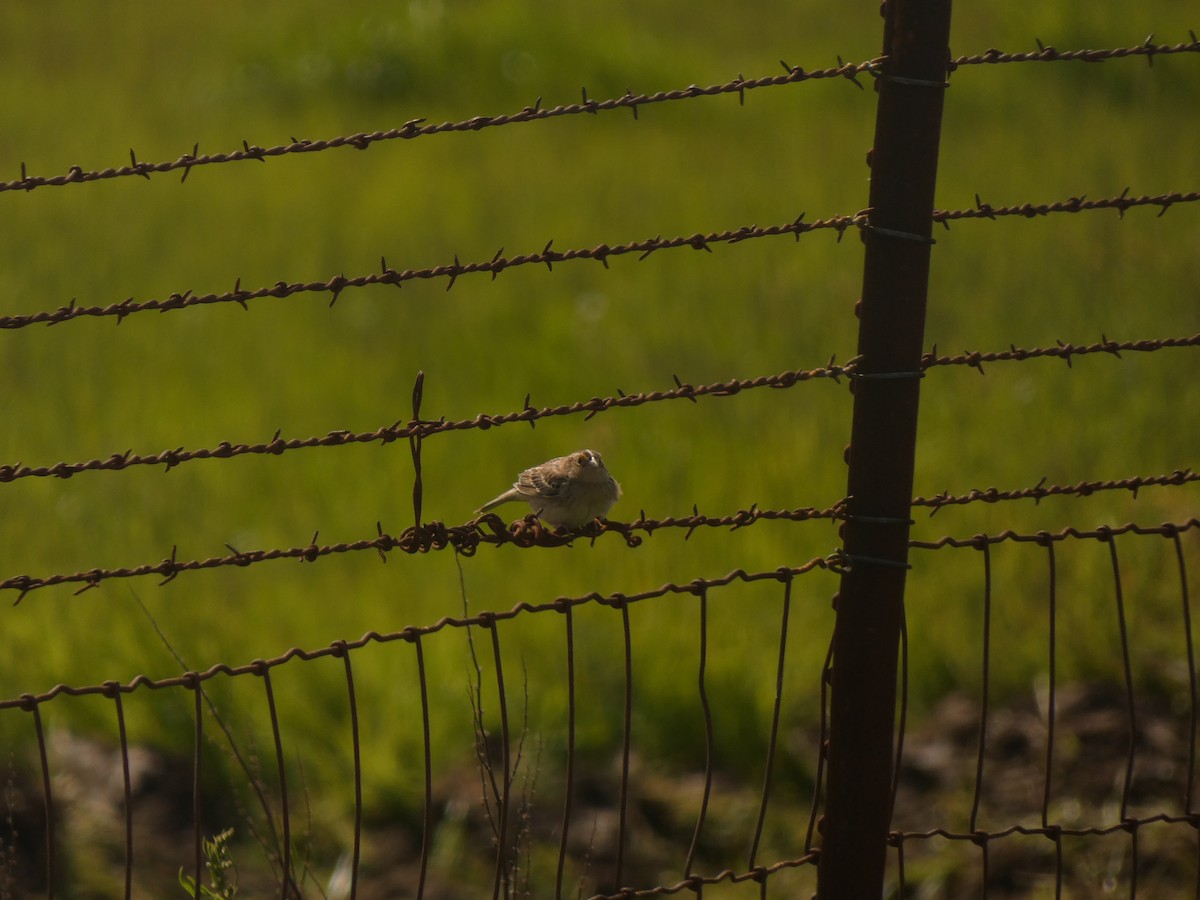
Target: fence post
<point>910,85</point>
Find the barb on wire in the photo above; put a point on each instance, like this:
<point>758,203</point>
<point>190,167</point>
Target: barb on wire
<point>412,633</point>
<point>1042,490</point>
<point>451,272</point>
<point>1064,351</point>
<point>1120,203</point>
<point>840,224</point>
<point>430,536</point>
<point>416,128</point>
<point>424,428</point>
<point>1050,54</point>
<point>528,532</point>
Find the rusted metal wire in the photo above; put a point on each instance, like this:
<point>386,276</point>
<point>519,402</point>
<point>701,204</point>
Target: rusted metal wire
<point>425,428</point>
<point>1054,832</point>
<point>1064,351</point>
<point>341,649</point>
<point>569,787</point>
<point>501,884</point>
<point>773,733</point>
<point>422,428</point>
<point>465,539</point>
<point>415,128</point>
<point>427,822</point>
<point>1121,203</point>
<point>530,532</point>
<point>127,798</point>
<point>285,863</point>
<point>1127,673</point>
<point>600,253</point>
<point>706,709</point>
<point>696,883</point>
<point>984,698</point>
<point>626,738</point>
<point>30,703</point>
<point>1046,538</point>
<point>1041,490</point>
<point>1146,49</point>
<point>193,681</point>
<point>451,272</point>
<point>1048,826</point>
<point>411,634</point>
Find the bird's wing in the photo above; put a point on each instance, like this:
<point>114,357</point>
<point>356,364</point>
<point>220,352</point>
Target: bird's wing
<point>540,481</point>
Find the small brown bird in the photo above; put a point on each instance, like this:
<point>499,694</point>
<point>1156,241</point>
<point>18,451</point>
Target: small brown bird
<point>567,491</point>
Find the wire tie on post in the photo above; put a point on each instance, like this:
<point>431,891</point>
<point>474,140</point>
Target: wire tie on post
<point>855,559</point>
<point>913,82</point>
<point>903,235</point>
<point>882,376</point>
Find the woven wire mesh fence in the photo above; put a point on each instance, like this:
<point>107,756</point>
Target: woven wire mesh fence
<point>1087,786</point>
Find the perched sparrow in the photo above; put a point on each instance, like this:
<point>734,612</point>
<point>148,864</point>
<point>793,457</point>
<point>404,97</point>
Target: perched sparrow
<point>568,490</point>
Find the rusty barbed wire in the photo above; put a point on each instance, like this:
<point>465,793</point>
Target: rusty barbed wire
<point>547,256</point>
<point>1121,203</point>
<point>419,127</point>
<point>975,358</point>
<point>530,532</point>
<point>1049,54</point>
<point>424,428</point>
<point>412,633</point>
<point>1041,490</point>
<point>389,276</point>
<point>427,537</point>
<point>415,128</point>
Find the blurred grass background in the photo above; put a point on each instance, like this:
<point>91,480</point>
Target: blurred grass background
<point>77,87</point>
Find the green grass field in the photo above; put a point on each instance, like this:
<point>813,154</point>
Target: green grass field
<point>76,88</point>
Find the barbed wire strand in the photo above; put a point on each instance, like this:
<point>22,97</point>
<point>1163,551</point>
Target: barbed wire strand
<point>421,428</point>
<point>548,256</point>
<point>1146,49</point>
<point>450,271</point>
<point>528,532</point>
<point>1041,490</point>
<point>464,539</point>
<point>424,428</point>
<point>415,128</point>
